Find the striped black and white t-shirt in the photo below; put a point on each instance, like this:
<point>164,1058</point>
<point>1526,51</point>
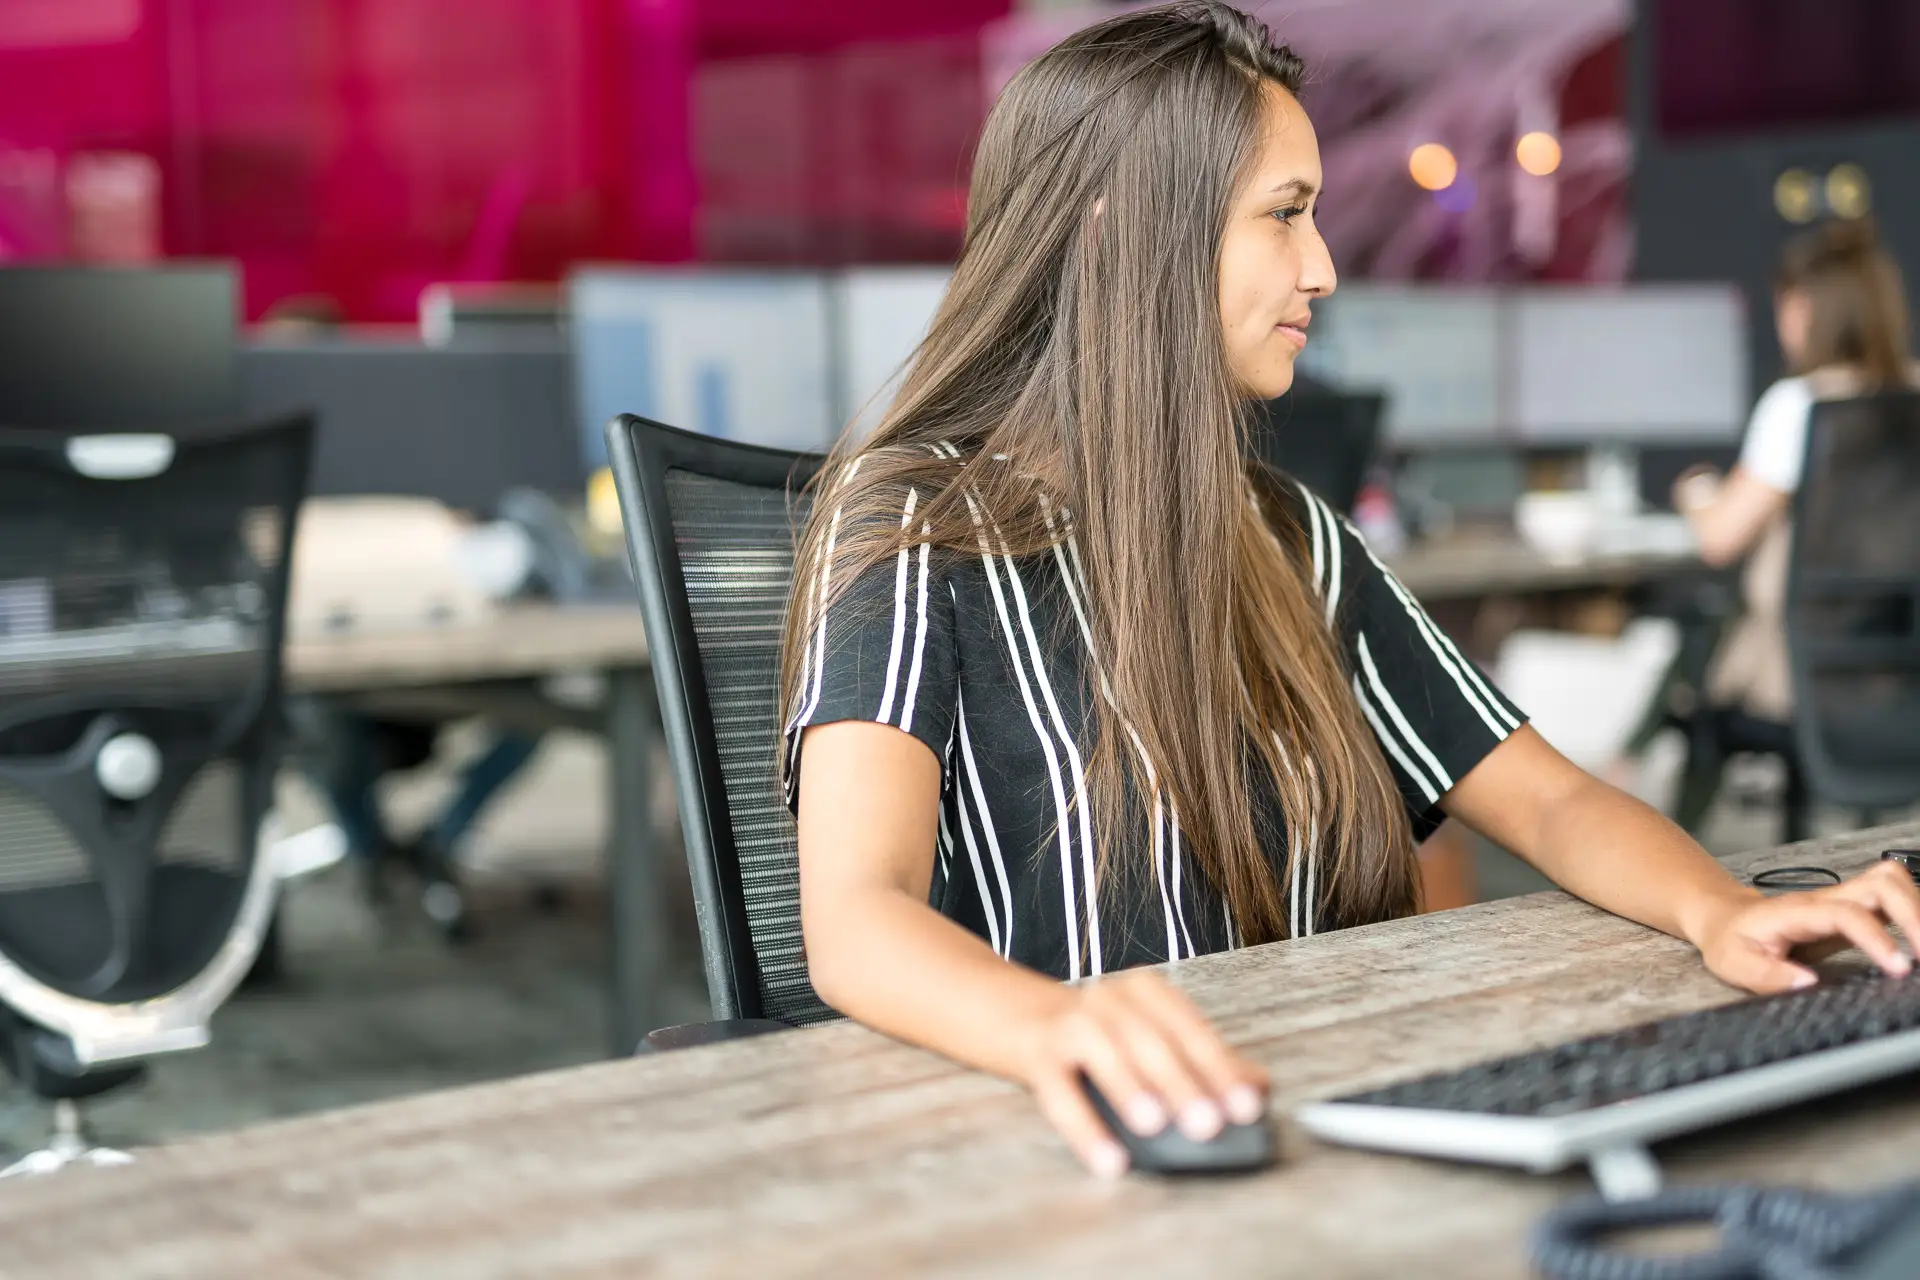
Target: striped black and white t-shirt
<point>985,659</point>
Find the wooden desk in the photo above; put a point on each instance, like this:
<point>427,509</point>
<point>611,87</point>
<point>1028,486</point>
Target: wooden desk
<point>834,1152</point>
<point>518,642</point>
<point>1457,569</point>
<point>500,668</point>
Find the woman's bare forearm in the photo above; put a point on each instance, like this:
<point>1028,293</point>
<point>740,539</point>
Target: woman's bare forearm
<point>894,963</point>
<point>1611,849</point>
<point>1595,841</point>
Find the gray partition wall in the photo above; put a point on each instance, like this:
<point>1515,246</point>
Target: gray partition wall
<point>462,426</point>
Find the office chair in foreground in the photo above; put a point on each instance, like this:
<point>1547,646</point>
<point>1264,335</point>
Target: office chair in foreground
<point>1853,629</point>
<point>710,526</point>
<point>142,604</point>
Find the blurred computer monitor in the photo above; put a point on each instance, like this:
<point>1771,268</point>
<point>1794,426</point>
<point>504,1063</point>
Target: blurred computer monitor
<point>1324,439</point>
<point>743,355</point>
<point>118,348</point>
<point>462,426</point>
<point>1648,363</point>
<point>1435,350</point>
<point>883,314</point>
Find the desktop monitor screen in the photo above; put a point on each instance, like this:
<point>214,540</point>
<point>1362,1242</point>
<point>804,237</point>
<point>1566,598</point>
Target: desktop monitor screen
<point>118,348</point>
<point>1434,350</point>
<point>742,355</point>
<point>460,425</point>
<point>1649,363</point>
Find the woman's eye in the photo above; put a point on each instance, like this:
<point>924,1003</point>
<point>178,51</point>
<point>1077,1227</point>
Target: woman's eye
<point>1289,214</point>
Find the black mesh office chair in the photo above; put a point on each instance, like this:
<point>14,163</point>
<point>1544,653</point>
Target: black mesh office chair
<point>710,526</point>
<point>1853,602</point>
<point>1853,643</point>
<point>142,602</point>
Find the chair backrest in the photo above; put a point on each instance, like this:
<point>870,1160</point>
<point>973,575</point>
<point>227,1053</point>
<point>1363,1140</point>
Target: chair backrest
<point>711,527</point>
<point>142,606</point>
<point>1853,601</point>
<point>1324,439</point>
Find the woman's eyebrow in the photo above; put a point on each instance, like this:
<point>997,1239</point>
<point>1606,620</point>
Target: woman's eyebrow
<point>1298,188</point>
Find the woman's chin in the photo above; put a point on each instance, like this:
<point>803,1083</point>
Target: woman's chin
<point>1272,383</point>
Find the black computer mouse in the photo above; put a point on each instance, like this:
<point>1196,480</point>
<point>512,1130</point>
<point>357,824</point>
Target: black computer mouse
<point>1238,1148</point>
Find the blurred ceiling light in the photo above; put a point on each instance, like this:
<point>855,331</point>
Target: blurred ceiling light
<point>1432,166</point>
<point>1796,195</point>
<point>1538,153</point>
<point>1849,194</point>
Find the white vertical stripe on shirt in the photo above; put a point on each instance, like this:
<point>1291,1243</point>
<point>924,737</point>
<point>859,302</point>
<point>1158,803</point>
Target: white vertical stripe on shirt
<point>1179,898</point>
<point>1160,876</point>
<point>1293,883</point>
<point>992,839</point>
<point>1001,943</point>
<point>810,702</point>
<point>944,845</point>
<point>919,640</point>
<point>1063,823</point>
<point>1090,884</point>
<point>1310,910</point>
<point>1465,675</point>
<point>885,715</point>
<point>820,619</point>
<point>1319,552</point>
<point>1392,744</point>
<point>1334,568</point>
<point>1392,708</point>
<point>1073,577</point>
<point>1296,852</point>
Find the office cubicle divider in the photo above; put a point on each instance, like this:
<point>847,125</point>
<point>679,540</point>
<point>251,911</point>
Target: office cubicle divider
<point>464,426</point>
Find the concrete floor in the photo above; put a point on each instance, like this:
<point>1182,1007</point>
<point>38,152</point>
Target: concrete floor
<point>375,1005</point>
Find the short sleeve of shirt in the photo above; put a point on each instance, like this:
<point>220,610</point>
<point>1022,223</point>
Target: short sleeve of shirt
<point>1433,713</point>
<point>1776,444</point>
<point>883,651</point>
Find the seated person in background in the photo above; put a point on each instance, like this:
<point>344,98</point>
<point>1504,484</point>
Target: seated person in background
<point>1069,690</point>
<point>348,756</point>
<point>1841,315</point>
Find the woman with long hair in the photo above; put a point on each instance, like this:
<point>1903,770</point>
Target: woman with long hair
<point>1841,315</point>
<point>1069,690</point>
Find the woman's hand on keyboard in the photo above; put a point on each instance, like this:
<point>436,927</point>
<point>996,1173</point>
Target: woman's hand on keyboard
<point>1755,944</point>
<point>1151,1053</point>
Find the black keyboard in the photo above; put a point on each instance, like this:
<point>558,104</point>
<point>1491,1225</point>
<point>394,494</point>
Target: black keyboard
<point>1654,1057</point>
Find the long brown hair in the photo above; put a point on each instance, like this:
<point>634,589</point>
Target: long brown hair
<point>1078,354</point>
<point>1853,290</point>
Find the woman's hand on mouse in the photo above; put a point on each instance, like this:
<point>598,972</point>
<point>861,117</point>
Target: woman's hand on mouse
<point>1751,943</point>
<point>1151,1053</point>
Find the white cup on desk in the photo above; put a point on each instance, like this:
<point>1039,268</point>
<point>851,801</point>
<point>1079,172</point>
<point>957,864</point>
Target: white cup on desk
<point>1562,526</point>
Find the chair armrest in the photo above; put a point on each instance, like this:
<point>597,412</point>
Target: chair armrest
<point>694,1034</point>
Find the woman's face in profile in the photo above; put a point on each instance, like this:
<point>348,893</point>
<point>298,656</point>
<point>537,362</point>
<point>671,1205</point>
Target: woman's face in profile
<point>1273,263</point>
<point>1792,317</point>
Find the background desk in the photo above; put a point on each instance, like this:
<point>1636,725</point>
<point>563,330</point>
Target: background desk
<point>1471,568</point>
<point>837,1152</point>
<point>516,668</point>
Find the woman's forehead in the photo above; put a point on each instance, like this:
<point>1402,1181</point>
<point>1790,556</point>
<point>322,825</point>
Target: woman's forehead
<point>1288,149</point>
